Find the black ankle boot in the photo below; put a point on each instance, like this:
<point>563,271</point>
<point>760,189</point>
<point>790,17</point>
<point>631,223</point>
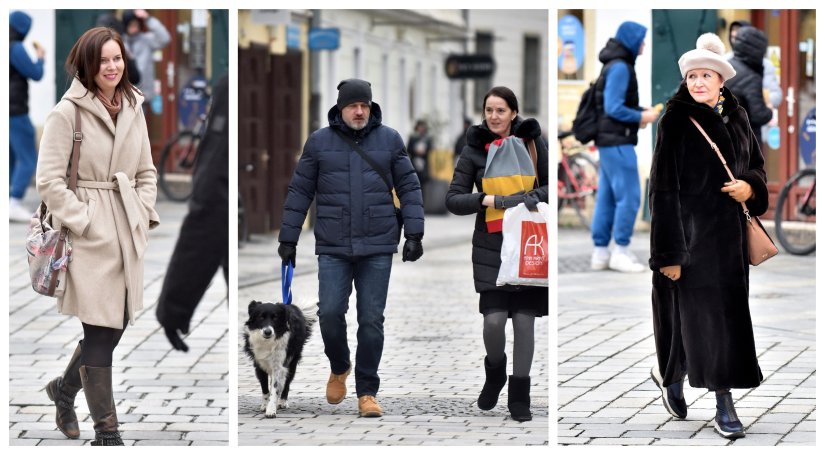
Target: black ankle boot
<point>496,377</point>
<point>727,422</point>
<point>62,390</point>
<point>673,396</point>
<point>518,398</point>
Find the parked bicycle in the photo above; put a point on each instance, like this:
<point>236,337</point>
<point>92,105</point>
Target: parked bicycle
<point>796,232</point>
<point>177,161</point>
<point>578,178</point>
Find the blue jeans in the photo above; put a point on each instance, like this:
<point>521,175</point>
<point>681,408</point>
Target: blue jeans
<point>22,156</point>
<point>371,275</point>
<point>619,195</point>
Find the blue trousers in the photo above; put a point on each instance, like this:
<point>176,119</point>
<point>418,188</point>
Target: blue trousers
<point>22,156</point>
<point>371,275</point>
<point>619,195</point>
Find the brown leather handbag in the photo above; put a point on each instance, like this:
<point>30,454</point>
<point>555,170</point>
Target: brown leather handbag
<point>760,246</point>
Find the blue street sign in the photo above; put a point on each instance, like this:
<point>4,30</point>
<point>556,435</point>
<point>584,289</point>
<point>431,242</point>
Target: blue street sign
<point>324,39</point>
<point>293,37</point>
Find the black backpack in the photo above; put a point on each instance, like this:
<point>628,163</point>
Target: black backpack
<point>586,123</point>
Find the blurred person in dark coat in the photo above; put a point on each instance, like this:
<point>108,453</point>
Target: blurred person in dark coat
<point>748,54</point>
<point>203,244</point>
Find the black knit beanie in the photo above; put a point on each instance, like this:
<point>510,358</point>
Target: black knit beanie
<point>353,90</point>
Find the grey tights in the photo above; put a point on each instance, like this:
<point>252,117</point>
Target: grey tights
<point>523,340</point>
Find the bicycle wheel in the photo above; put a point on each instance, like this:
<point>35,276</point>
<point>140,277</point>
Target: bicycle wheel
<point>177,161</point>
<point>797,232</point>
<point>586,172</point>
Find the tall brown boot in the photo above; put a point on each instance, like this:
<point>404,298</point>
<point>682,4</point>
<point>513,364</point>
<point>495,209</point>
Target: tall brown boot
<point>97,385</point>
<point>62,391</point>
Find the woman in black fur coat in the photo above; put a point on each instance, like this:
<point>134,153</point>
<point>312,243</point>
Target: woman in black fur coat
<point>521,303</point>
<point>698,244</point>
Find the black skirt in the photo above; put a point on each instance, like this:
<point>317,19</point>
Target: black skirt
<point>529,299</point>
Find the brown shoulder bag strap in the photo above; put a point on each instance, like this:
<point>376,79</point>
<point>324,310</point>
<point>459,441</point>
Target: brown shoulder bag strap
<point>77,138</point>
<point>722,158</point>
<point>534,157</point>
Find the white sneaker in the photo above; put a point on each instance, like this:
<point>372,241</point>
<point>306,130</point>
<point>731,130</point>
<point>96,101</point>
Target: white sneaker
<point>18,213</point>
<point>599,261</point>
<point>625,262</point>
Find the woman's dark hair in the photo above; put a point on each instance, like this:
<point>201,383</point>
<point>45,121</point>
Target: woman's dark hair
<point>83,61</point>
<point>504,93</point>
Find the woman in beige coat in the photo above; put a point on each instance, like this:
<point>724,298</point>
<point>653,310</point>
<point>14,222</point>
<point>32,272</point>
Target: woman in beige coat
<point>108,218</point>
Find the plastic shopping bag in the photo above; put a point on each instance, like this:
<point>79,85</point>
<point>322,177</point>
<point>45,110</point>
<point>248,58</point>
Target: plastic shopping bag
<point>525,256</point>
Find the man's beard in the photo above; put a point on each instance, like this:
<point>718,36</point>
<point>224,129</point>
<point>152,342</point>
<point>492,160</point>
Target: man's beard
<point>356,125</point>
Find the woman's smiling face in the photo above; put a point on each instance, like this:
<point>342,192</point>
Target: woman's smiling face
<point>111,68</point>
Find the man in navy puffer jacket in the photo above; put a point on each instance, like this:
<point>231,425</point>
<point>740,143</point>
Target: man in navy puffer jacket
<point>356,232</point>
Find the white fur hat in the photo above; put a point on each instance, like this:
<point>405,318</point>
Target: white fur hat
<point>708,54</point>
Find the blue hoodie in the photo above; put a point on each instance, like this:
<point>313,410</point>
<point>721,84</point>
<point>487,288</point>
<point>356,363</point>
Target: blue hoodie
<point>630,35</point>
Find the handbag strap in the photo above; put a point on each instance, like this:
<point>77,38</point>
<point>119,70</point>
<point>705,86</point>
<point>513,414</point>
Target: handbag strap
<point>77,138</point>
<point>378,169</point>
<point>531,147</point>
<point>722,158</point>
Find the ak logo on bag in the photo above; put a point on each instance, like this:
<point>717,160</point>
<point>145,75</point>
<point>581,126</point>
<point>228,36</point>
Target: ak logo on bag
<point>533,261</point>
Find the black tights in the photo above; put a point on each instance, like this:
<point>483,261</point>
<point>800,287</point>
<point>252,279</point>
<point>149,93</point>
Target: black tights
<point>99,343</point>
<point>523,340</point>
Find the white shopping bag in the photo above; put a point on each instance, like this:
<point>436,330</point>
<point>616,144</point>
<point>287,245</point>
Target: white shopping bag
<point>525,256</point>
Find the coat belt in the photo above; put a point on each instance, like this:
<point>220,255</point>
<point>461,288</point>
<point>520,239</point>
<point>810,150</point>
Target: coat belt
<point>126,189</point>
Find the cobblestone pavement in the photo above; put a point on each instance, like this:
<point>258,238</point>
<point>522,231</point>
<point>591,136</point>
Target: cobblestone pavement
<point>163,397</point>
<point>606,350</point>
<point>431,370</point>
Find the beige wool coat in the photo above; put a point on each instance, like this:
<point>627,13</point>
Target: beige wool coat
<point>112,211</point>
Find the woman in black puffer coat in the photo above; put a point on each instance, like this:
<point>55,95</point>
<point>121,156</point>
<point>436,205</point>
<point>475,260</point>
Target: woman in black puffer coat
<point>521,303</point>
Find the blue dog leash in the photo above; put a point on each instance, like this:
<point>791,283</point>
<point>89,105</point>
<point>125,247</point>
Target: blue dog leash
<point>286,283</point>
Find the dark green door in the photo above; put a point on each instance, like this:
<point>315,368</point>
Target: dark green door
<point>220,43</point>
<point>69,25</point>
<point>674,32</point>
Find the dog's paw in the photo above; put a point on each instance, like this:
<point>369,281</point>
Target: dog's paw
<point>271,411</point>
<point>283,404</point>
<point>264,403</point>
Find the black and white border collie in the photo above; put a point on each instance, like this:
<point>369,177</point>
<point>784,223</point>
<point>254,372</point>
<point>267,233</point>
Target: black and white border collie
<point>274,338</point>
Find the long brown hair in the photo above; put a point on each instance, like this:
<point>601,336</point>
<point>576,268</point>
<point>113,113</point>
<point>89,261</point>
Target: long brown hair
<point>83,61</point>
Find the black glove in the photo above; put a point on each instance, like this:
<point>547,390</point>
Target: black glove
<point>174,338</point>
<point>531,201</point>
<point>412,250</point>
<point>506,202</point>
<point>287,253</point>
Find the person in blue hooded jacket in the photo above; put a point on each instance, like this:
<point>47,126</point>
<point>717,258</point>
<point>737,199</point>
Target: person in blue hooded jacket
<point>620,117</point>
<point>356,231</point>
<point>21,131</point>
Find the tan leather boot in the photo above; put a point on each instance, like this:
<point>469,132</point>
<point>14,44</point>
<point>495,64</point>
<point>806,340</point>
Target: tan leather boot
<point>368,406</point>
<point>62,390</point>
<point>337,387</point>
<point>97,385</point>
